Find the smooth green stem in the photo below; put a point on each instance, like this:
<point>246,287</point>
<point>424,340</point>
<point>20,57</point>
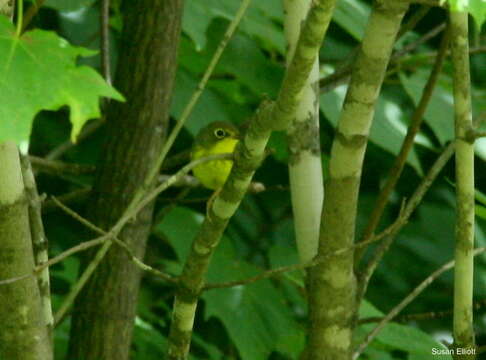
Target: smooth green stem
<point>20,17</point>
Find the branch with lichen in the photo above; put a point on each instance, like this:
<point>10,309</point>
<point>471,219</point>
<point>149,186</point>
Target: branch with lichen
<point>248,155</point>
<point>23,334</point>
<point>464,258</point>
<point>6,8</point>
<point>332,298</point>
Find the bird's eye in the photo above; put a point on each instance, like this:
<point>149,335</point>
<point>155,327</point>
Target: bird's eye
<point>219,133</point>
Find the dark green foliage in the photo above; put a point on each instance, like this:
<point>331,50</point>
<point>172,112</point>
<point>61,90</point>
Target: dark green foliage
<point>266,320</point>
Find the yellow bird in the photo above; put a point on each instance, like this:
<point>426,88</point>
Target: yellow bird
<point>216,138</point>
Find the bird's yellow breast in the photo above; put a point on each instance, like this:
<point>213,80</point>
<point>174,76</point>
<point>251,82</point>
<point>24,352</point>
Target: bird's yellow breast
<point>213,174</point>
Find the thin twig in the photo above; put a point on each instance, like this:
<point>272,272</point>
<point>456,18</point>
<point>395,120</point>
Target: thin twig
<point>479,134</point>
<point>407,145</point>
<point>57,259</point>
<point>410,207</point>
<point>83,279</point>
<point>164,186</point>
<point>31,12</point>
<point>100,240</point>
<point>199,89</point>
<point>71,251</point>
<point>124,246</point>
<point>407,300</point>
<point>105,40</point>
<point>58,167</point>
<point>73,197</point>
<point>413,20</point>
<point>88,129</point>
<point>341,75</point>
<point>301,266</point>
<point>413,61</point>
<point>415,44</point>
<point>130,213</point>
<point>478,305</point>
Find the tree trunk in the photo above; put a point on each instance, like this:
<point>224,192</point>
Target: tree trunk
<point>104,312</point>
<point>23,330</point>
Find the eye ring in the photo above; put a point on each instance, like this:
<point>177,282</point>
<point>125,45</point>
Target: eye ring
<point>219,133</point>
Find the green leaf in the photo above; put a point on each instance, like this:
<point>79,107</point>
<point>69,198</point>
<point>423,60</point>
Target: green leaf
<point>209,108</point>
<point>149,344</point>
<point>402,337</point>
<point>254,315</point>
<point>39,72</point>
<point>480,148</point>
<point>388,129</point>
<point>479,196</point>
<point>481,211</point>
<point>68,5</point>
<point>440,111</point>
<point>352,16</point>
<point>244,59</point>
<point>212,350</point>
<point>477,8</point>
<point>67,271</point>
<point>258,21</point>
<point>180,226</point>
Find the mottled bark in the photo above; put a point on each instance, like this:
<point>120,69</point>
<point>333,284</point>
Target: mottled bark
<point>248,155</point>
<point>23,330</point>
<point>464,269</point>
<point>104,312</point>
<point>332,298</point>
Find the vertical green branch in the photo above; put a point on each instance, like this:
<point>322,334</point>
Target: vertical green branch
<point>332,300</point>
<point>23,331</point>
<point>463,274</point>
<point>305,167</point>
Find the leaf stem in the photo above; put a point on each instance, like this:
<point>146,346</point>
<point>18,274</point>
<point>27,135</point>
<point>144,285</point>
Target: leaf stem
<point>20,16</point>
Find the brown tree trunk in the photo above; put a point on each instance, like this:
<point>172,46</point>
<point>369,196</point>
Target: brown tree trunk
<point>104,312</point>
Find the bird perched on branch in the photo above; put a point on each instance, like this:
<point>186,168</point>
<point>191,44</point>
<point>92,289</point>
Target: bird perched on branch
<point>216,138</point>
